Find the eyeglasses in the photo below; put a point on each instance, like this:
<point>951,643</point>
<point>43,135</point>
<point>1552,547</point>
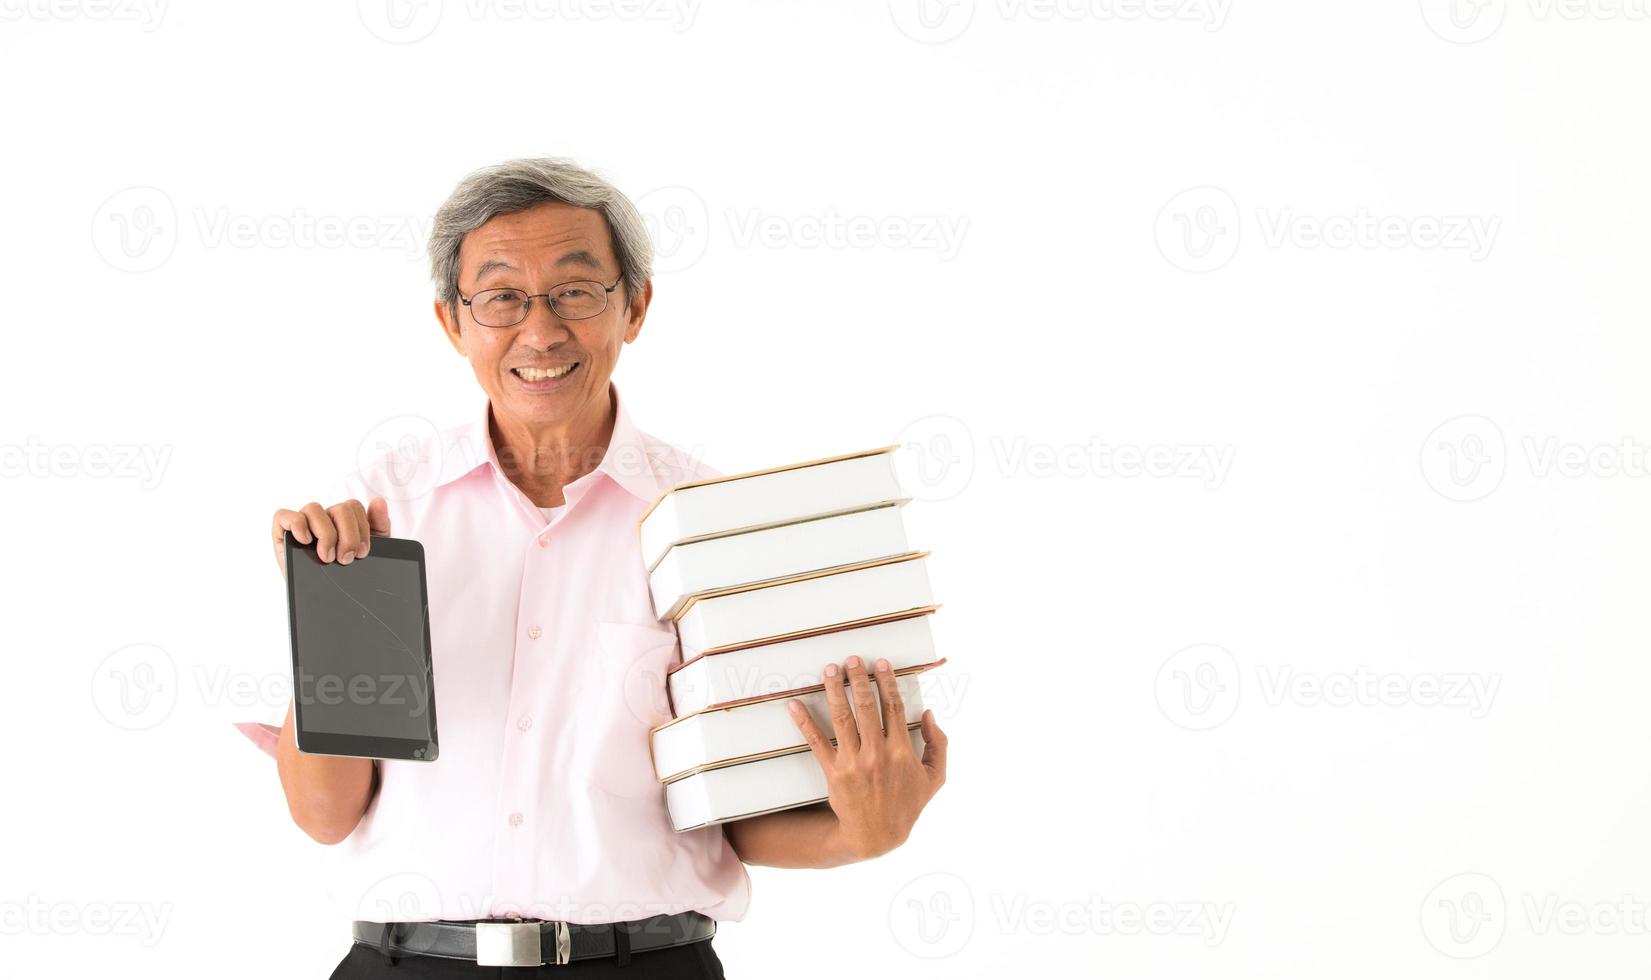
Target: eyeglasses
<point>506,307</point>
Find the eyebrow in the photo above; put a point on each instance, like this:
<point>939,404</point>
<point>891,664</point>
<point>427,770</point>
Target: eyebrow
<point>578,257</point>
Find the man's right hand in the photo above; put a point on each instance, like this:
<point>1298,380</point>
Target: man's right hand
<point>343,531</point>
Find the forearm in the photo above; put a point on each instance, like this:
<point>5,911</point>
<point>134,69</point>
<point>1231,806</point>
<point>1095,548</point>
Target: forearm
<point>805,837</point>
<point>326,795</point>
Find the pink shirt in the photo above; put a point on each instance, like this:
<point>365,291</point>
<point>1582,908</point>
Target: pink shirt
<point>549,672</point>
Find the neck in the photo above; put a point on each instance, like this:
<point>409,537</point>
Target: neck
<point>542,460</point>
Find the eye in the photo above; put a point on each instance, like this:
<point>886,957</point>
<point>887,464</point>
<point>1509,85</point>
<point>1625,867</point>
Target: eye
<point>573,292</point>
<point>505,297</point>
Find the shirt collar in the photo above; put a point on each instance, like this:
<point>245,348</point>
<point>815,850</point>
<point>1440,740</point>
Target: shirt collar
<point>631,460</point>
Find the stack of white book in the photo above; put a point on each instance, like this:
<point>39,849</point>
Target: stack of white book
<point>768,577</point>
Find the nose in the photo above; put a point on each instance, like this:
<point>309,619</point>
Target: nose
<point>543,328</point>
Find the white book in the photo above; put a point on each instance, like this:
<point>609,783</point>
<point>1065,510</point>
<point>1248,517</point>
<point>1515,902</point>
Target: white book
<point>749,789</point>
<point>748,557</point>
<point>764,498</point>
<point>749,730</point>
<point>811,602</point>
<point>769,668</point>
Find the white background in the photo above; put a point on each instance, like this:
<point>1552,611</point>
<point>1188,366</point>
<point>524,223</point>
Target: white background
<point>1361,697</point>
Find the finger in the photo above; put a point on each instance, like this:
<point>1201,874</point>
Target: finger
<point>842,720</point>
<point>378,516</point>
<point>817,742</point>
<point>350,518</point>
<point>326,536</point>
<point>290,520</point>
<point>865,702</point>
<point>894,706</point>
<point>934,750</point>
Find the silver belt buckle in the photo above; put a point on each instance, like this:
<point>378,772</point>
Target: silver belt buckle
<point>518,944</point>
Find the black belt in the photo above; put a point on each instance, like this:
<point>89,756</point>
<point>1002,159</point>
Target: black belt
<point>532,942</point>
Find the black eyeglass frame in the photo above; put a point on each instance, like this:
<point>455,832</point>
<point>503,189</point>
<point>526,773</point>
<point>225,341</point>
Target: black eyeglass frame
<point>527,305</point>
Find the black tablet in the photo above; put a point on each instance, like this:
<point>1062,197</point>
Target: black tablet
<point>361,671</point>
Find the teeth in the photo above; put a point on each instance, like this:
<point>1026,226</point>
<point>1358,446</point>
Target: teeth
<point>541,374</point>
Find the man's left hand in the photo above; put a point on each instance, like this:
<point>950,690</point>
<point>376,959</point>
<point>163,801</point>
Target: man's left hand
<point>877,784</point>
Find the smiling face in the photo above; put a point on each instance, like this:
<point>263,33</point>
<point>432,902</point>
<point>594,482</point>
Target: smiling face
<point>544,373</point>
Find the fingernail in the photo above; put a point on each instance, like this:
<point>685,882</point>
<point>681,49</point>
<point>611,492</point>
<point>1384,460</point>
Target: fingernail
<point>853,662</point>
<point>795,706</point>
<point>882,664</point>
<point>831,670</point>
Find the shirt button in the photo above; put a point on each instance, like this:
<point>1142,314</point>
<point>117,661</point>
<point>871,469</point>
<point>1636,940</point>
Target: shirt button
<point>524,723</point>
<point>533,632</point>
<point>544,542</point>
<point>515,819</point>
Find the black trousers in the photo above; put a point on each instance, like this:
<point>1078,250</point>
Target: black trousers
<point>691,961</point>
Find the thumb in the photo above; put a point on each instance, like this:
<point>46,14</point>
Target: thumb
<point>934,748</point>
<point>378,516</point>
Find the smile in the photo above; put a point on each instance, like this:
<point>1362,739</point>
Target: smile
<point>544,374</point>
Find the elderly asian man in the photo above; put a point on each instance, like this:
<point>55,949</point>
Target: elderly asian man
<point>543,809</point>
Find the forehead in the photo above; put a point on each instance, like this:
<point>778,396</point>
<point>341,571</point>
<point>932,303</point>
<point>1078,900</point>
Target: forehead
<point>538,240</point>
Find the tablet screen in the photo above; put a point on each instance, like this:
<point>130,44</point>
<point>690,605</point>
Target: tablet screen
<point>360,647</point>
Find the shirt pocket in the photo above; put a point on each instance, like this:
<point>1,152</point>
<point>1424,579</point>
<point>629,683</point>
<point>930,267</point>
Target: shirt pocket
<point>628,700</point>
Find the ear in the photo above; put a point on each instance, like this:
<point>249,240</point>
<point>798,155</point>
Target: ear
<point>637,311</point>
<point>445,312</point>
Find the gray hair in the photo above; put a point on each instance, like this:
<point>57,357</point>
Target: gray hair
<point>517,185</point>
